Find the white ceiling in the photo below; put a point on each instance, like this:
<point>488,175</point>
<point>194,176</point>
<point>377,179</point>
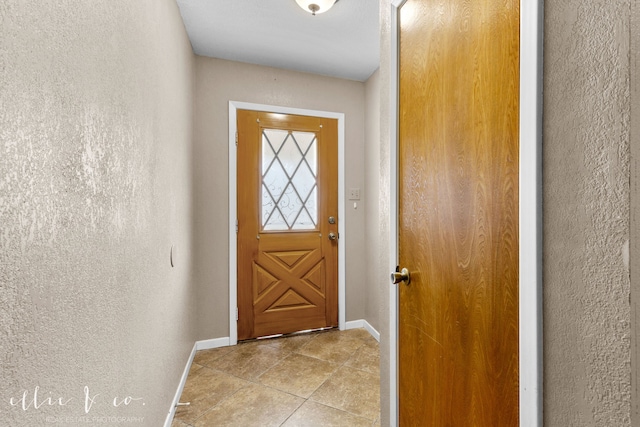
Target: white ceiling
<point>342,42</point>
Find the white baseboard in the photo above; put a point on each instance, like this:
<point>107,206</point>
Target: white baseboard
<point>354,324</point>
<point>224,342</point>
<point>199,345</point>
<point>183,380</point>
<point>212,343</point>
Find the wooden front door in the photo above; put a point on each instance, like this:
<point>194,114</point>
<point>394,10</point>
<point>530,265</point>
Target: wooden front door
<point>458,213</point>
<point>287,223</point>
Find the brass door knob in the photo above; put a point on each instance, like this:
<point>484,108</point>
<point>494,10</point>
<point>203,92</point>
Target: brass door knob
<point>401,276</point>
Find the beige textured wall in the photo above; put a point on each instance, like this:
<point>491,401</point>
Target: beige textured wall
<point>381,259</point>
<point>218,82</point>
<point>95,135</point>
<point>634,206</point>
<point>375,284</point>
<point>586,213</point>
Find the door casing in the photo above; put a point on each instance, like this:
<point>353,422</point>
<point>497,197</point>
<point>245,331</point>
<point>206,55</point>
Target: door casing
<point>530,210</point>
<point>233,244</point>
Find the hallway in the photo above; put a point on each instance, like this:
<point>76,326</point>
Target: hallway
<point>318,379</point>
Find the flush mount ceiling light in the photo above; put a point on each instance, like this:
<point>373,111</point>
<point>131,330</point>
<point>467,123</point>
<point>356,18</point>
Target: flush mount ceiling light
<point>316,6</point>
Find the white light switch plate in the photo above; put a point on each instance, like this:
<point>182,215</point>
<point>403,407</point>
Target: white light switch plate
<point>354,194</point>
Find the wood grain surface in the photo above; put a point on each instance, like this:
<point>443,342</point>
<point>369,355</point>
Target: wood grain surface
<point>458,159</point>
<point>287,280</point>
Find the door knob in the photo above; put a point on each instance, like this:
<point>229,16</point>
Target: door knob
<point>332,236</point>
<point>401,276</point>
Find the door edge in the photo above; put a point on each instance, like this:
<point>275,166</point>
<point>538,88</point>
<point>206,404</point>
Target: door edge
<point>234,106</point>
<point>530,211</point>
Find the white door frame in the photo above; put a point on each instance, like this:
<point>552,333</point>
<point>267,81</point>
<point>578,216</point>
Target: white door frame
<point>530,278</point>
<point>233,202</point>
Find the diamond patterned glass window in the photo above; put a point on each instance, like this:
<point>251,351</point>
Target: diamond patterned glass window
<point>289,180</point>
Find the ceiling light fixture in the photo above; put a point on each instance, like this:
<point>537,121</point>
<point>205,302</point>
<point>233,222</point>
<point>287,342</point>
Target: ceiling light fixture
<point>316,6</point>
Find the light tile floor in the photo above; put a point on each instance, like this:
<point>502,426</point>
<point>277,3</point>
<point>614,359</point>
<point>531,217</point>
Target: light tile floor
<point>323,379</point>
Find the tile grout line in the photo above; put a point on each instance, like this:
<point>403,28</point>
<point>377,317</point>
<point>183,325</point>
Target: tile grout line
<point>251,381</point>
<point>344,364</point>
<point>289,353</point>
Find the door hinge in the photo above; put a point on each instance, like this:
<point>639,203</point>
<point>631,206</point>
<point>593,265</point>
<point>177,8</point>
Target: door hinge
<point>236,138</point>
<point>236,226</point>
<point>236,314</point>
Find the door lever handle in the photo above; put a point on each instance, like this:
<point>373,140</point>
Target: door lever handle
<point>401,276</point>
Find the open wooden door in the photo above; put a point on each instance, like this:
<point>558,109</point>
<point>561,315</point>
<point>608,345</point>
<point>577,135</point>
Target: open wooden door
<point>458,213</point>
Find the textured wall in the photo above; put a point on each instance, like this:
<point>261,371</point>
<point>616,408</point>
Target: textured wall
<point>586,213</point>
<point>381,259</point>
<point>634,206</point>
<point>375,284</point>
<point>95,135</point>
<point>218,82</point>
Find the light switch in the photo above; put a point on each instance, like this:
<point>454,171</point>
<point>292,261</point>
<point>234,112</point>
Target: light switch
<point>354,194</point>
